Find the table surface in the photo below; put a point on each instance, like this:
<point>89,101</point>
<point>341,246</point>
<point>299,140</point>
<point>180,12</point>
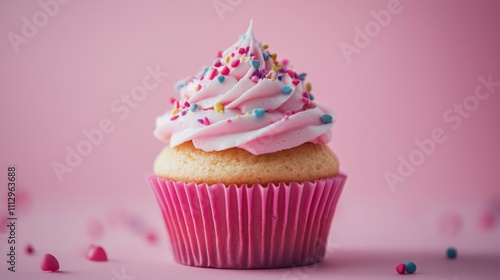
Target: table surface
<point>341,263</point>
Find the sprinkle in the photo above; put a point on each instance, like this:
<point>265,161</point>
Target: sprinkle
<point>273,79</point>
<point>183,113</point>
<point>235,63</point>
<point>206,121</point>
<point>327,118</point>
<point>201,121</point>
<point>219,108</point>
<point>401,268</point>
<point>214,73</point>
<point>258,112</point>
<point>193,107</point>
<point>286,118</point>
<point>291,73</point>
<point>186,104</point>
<point>255,79</point>
<point>280,76</point>
<point>229,121</point>
<point>302,76</point>
<point>97,254</point>
<point>241,51</point>
<point>247,113</point>
<point>266,56</point>
<point>295,82</point>
<point>275,68</point>
<point>252,54</point>
<point>305,94</point>
<point>174,117</point>
<point>410,267</point>
<point>308,86</point>
<point>172,100</point>
<point>219,54</point>
<point>225,71</point>
<point>285,62</point>
<point>255,63</point>
<point>176,104</point>
<point>243,58</point>
<point>29,249</point>
<point>311,96</point>
<point>305,100</point>
<point>49,263</point>
<point>286,89</point>
<point>232,54</point>
<point>247,48</point>
<point>238,116</point>
<point>195,89</point>
<point>220,78</point>
<point>451,253</point>
<point>228,58</point>
<point>274,56</point>
<point>266,46</point>
<point>217,63</point>
<point>174,111</point>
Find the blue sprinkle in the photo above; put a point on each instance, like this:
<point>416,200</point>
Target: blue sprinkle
<point>327,118</point>
<point>180,84</point>
<point>193,107</point>
<point>302,76</point>
<point>451,253</point>
<point>266,56</point>
<point>311,96</point>
<point>410,267</point>
<point>243,36</point>
<point>220,78</point>
<point>258,112</point>
<point>280,76</point>
<point>255,63</point>
<point>286,89</point>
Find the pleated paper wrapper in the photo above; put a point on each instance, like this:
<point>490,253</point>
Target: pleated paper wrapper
<point>231,226</point>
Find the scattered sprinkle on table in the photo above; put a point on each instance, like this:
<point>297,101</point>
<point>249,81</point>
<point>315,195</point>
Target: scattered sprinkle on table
<point>451,253</point>
<point>49,263</point>
<point>410,267</point>
<point>401,268</point>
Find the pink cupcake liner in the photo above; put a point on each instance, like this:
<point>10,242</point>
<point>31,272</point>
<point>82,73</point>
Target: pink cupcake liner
<point>256,226</point>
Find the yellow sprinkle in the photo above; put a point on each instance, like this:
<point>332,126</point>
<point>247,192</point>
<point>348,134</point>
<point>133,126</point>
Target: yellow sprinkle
<point>273,79</point>
<point>268,75</point>
<point>274,56</point>
<point>237,116</point>
<point>195,89</point>
<point>278,64</point>
<point>174,111</point>
<point>266,46</point>
<point>219,108</point>
<point>308,86</point>
<point>228,58</point>
<point>243,58</point>
<point>247,113</point>
<point>275,68</point>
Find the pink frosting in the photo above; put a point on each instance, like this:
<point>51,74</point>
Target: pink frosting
<point>231,97</point>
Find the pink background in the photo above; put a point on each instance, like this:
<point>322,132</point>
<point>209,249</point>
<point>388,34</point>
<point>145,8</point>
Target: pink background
<point>394,91</point>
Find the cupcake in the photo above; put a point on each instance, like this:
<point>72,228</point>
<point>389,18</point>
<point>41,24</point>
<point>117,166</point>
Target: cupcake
<point>246,179</point>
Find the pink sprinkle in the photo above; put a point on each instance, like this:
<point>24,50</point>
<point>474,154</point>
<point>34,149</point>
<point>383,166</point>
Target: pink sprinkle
<point>285,61</point>
<point>286,118</point>
<point>183,113</point>
<point>255,79</point>
<point>224,71</point>
<point>189,79</point>
<point>219,54</point>
<point>241,51</point>
<point>305,100</point>
<point>247,48</point>
<point>229,121</point>
<point>49,263</point>
<point>235,63</point>
<point>172,100</point>
<point>291,73</point>
<point>200,121</point>
<point>186,104</point>
<point>202,77</point>
<point>174,117</point>
<point>176,104</point>
<point>401,268</point>
<point>305,94</point>
<point>217,63</point>
<point>295,82</point>
<point>232,54</point>
<point>214,74</point>
<point>97,254</point>
<point>198,86</point>
<point>206,121</point>
<point>29,249</point>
